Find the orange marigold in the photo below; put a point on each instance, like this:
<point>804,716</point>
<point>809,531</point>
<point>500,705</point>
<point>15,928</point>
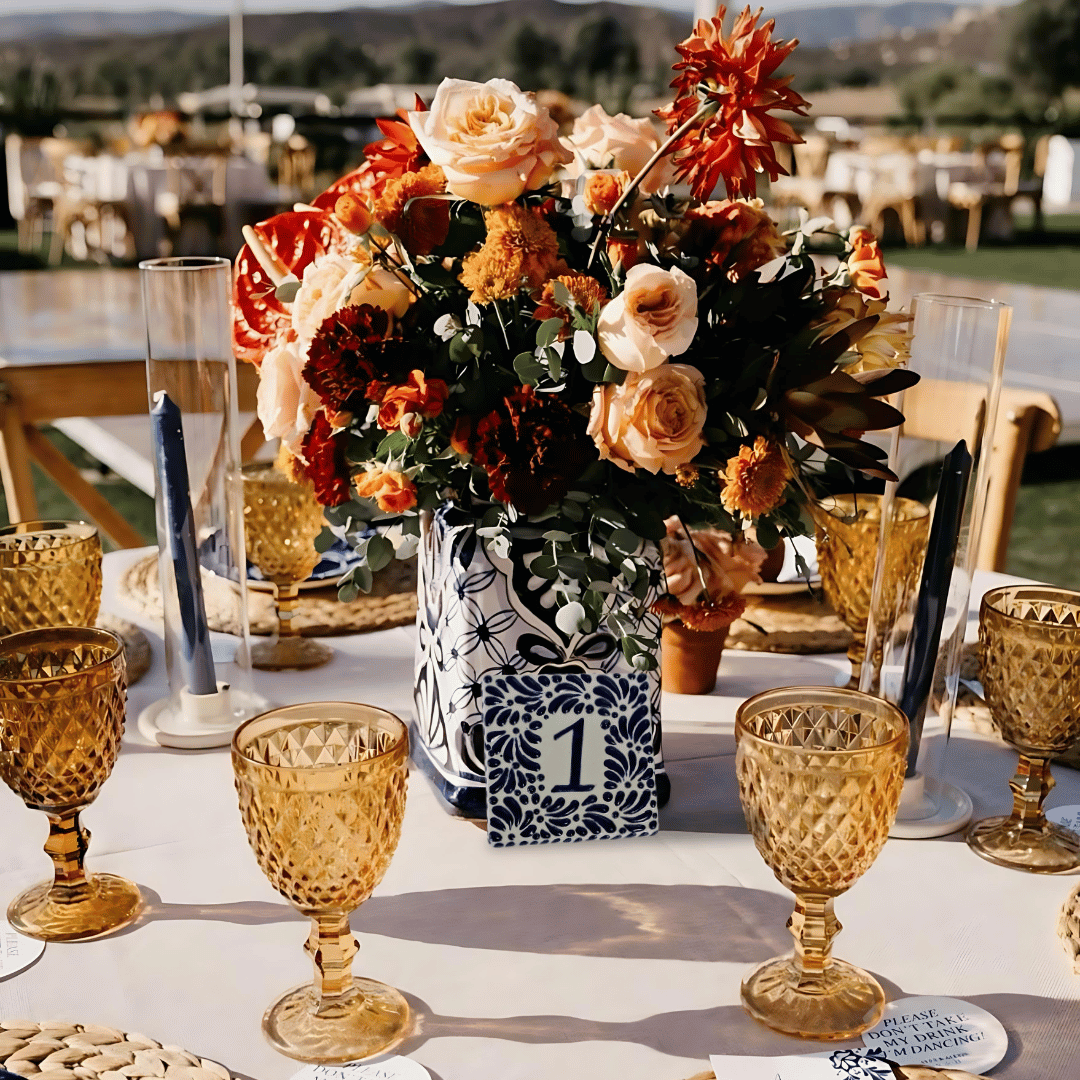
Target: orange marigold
<point>521,252</point>
<point>734,73</point>
<point>587,293</point>
<point>754,479</point>
<point>704,615</point>
<point>716,229</point>
<point>423,225</point>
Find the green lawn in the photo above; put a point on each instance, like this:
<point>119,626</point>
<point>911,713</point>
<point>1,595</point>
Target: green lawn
<point>1050,258</point>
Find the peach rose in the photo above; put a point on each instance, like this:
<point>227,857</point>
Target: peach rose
<point>603,190</point>
<point>866,265</point>
<point>286,403</point>
<point>652,421</point>
<point>393,491</point>
<point>325,288</point>
<point>600,141</point>
<point>727,563</point>
<point>654,317</point>
<point>492,140</point>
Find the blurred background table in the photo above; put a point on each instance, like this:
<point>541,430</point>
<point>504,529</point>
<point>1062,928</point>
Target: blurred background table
<point>72,354</point>
<point>612,961</point>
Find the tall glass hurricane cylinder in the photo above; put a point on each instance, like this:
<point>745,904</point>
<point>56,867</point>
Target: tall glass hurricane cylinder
<point>190,358</point>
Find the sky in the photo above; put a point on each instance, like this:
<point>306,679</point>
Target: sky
<point>224,6</point>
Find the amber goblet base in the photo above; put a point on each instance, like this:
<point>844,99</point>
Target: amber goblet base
<point>842,1002</point>
<point>100,904</point>
<point>370,1019</point>
<point>290,653</point>
<point>1040,847</point>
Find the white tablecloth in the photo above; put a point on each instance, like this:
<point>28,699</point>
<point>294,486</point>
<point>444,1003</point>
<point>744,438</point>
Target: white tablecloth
<point>607,961</point>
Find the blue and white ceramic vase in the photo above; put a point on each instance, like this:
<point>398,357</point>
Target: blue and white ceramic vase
<point>482,615</point>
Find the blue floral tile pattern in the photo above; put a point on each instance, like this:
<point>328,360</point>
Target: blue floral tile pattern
<point>480,615</point>
<point>569,757</point>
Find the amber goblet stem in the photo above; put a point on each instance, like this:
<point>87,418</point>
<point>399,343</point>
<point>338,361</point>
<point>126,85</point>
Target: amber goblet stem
<point>1030,786</point>
<point>332,947</point>
<point>813,925</point>
<point>288,599</point>
<point>66,846</point>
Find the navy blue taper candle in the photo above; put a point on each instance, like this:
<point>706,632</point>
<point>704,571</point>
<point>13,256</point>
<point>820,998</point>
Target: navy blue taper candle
<point>934,593</point>
<point>196,659</point>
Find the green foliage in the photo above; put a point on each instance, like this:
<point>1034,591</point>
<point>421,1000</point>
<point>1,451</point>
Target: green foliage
<point>953,92</point>
<point>1045,45</point>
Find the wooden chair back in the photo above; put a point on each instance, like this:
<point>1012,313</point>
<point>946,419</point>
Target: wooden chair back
<point>1027,421</point>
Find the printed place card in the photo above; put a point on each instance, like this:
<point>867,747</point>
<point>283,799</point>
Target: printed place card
<point>391,1068</point>
<point>568,756</point>
<point>941,1032</point>
<point>17,951</point>
<point>1066,816</point>
<point>833,1065</point>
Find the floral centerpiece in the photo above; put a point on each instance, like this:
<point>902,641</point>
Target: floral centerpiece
<point>567,341</point>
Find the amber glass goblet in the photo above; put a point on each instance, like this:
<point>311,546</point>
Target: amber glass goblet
<point>50,575</point>
<point>322,795</point>
<point>820,773</point>
<point>1029,645</point>
<point>847,534</point>
<point>62,696</point>
<point>281,520</point>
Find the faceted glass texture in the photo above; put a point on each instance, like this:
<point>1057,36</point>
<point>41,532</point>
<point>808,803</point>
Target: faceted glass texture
<point>847,534</point>
<point>1029,652</point>
<point>322,795</point>
<point>62,694</point>
<point>50,575</point>
<point>820,773</point>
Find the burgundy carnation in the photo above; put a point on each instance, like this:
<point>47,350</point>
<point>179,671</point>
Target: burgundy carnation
<point>533,447</point>
<point>347,356</point>
<point>324,462</point>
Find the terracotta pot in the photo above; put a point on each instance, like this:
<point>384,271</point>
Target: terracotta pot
<point>774,563</point>
<point>689,658</point>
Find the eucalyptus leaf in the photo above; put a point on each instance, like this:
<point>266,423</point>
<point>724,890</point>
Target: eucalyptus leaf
<point>380,552</point>
<point>584,346</point>
<point>561,294</point>
<point>570,617</point>
<point>548,332</point>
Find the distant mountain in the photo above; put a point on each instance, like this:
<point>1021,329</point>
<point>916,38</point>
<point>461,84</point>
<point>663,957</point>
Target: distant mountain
<point>862,22</point>
<point>33,27</point>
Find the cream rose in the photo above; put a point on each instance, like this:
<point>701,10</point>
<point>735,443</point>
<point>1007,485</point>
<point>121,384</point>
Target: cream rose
<point>285,402</point>
<point>727,563</point>
<point>325,288</point>
<point>492,140</point>
<point>599,141</point>
<point>652,421</point>
<point>654,317</point>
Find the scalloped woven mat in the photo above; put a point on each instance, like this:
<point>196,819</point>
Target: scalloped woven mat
<point>391,602</point>
<point>136,648</point>
<point>902,1072</point>
<point>801,622</point>
<point>57,1050</point>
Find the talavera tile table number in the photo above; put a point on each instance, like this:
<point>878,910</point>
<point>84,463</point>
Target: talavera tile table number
<point>569,756</point>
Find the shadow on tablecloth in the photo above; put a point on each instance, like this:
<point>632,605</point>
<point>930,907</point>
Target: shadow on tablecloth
<point>1043,1038</point>
<point>632,921</point>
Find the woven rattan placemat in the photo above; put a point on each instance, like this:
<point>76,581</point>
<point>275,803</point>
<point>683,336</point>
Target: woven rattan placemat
<point>798,622</point>
<point>57,1050</point>
<point>391,602</point>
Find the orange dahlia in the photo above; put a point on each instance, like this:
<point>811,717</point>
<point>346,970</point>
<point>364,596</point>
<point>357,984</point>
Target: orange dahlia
<point>421,225</point>
<point>521,252</point>
<point>733,140</point>
<point>754,479</point>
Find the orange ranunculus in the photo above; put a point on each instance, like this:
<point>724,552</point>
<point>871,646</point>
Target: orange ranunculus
<point>393,491</point>
<point>627,252</point>
<point>603,190</point>
<point>462,436</point>
<point>866,265</point>
<point>353,214</point>
<point>419,395</point>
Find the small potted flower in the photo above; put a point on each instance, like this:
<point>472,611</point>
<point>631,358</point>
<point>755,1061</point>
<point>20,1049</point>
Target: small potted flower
<point>706,572</point>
